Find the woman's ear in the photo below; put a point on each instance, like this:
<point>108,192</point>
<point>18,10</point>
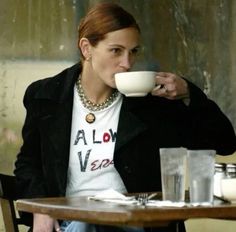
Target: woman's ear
<point>85,48</point>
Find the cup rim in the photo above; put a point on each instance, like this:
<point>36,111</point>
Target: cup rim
<point>133,72</point>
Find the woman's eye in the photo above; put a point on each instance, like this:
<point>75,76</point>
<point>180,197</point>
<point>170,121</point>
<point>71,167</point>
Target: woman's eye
<point>135,51</point>
<point>116,50</point>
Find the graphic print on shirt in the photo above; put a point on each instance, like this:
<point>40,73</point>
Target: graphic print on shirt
<point>81,140</point>
<point>106,137</point>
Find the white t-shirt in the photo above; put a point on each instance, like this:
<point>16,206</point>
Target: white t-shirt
<point>91,167</point>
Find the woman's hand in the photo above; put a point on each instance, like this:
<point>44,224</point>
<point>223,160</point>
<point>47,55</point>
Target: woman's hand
<point>44,223</point>
<point>170,86</point>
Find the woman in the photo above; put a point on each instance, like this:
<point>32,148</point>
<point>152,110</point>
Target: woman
<point>82,136</point>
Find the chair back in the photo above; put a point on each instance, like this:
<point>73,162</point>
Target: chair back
<point>8,195</point>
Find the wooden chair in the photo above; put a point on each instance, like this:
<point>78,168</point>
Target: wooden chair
<point>8,195</point>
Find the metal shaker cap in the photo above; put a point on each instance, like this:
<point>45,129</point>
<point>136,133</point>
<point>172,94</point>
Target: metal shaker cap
<point>220,167</point>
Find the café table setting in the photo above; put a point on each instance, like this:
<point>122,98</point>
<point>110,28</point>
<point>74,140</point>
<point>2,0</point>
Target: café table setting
<point>154,213</point>
<point>173,205</point>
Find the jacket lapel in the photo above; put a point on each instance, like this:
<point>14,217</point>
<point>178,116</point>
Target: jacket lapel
<point>129,125</point>
<point>55,123</point>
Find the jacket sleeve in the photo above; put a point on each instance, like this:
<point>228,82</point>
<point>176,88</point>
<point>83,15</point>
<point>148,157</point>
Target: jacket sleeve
<point>28,166</point>
<point>209,126</point>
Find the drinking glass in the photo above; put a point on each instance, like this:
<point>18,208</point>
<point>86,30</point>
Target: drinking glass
<point>173,170</point>
<point>201,175</point>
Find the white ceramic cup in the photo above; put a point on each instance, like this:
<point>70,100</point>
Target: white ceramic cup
<point>135,84</point>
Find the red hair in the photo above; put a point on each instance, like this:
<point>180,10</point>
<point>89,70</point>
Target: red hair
<point>102,19</point>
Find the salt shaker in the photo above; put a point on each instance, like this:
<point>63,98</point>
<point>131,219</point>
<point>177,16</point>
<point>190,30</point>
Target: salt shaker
<point>231,170</point>
<point>218,176</point>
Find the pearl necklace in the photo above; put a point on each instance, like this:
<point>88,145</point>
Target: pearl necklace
<point>90,117</point>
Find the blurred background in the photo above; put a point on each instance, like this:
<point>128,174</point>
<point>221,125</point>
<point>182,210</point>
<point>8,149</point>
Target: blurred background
<point>193,38</point>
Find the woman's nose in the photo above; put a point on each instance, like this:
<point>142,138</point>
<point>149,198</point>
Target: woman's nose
<point>126,62</point>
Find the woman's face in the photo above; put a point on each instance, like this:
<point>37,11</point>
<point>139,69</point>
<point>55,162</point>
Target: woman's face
<point>116,53</point>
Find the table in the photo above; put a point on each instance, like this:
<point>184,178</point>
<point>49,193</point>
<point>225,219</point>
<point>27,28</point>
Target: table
<point>99,212</point>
